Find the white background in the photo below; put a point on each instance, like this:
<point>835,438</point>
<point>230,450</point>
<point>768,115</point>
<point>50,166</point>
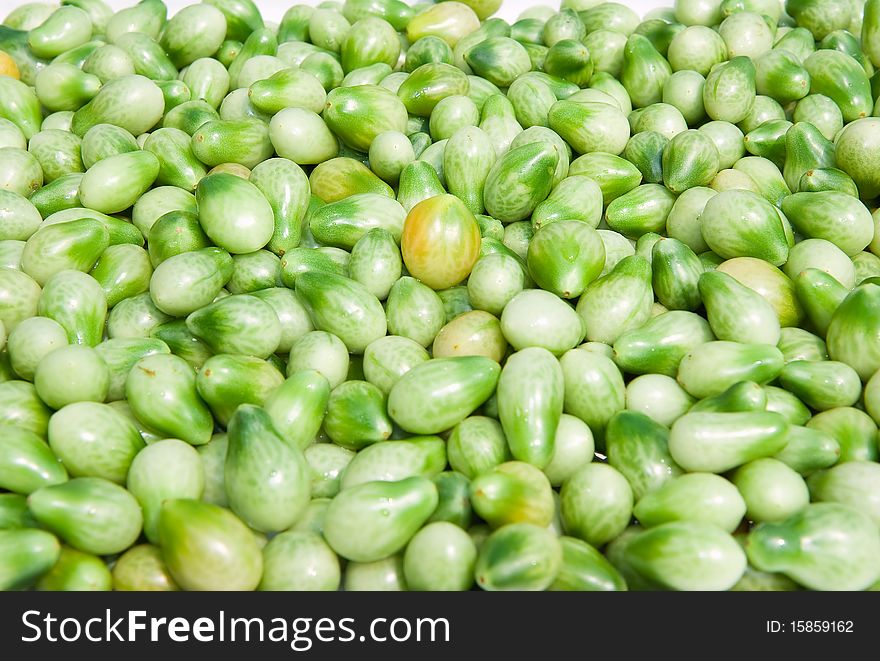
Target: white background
<point>273,10</point>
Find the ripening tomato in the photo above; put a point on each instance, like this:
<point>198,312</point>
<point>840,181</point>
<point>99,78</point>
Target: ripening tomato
<point>8,66</point>
<point>440,242</point>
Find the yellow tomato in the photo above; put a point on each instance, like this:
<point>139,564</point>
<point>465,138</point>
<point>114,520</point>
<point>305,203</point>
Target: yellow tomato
<point>474,333</point>
<point>232,168</point>
<point>448,20</point>
<point>440,242</point>
<point>8,67</point>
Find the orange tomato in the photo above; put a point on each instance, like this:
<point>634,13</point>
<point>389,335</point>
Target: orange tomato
<point>8,67</point>
<point>440,242</point>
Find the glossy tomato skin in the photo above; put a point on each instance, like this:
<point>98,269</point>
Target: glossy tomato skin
<point>440,242</point>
